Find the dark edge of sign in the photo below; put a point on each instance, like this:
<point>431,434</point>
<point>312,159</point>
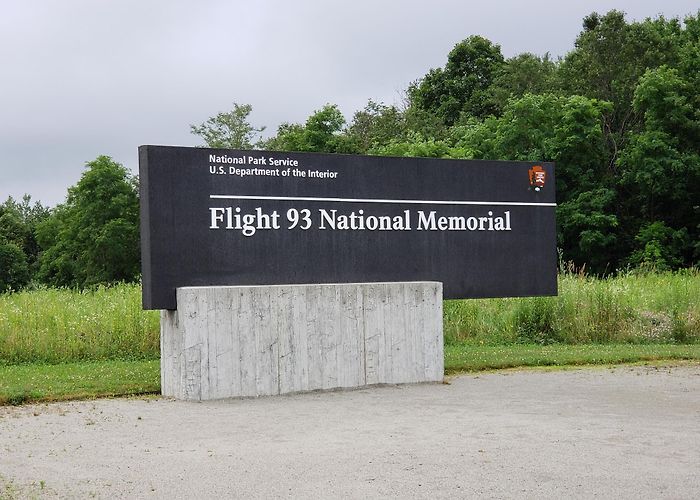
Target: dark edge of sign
<point>144,210</point>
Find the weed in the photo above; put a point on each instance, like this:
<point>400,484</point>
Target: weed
<point>536,322</point>
<point>17,398</point>
<point>633,308</point>
<point>60,325</point>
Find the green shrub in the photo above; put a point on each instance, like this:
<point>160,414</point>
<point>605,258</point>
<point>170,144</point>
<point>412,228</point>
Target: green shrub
<point>14,270</point>
<point>536,321</point>
<point>636,307</point>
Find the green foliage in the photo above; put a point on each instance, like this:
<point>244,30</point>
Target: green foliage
<point>523,74</point>
<point>621,119</point>
<point>375,125</point>
<point>611,55</point>
<point>467,357</point>
<point>107,323</point>
<point>14,271</point>
<point>60,326</point>
<point>423,122</point>
<point>639,308</point>
<point>568,131</point>
<point>535,322</point>
<point>660,171</point>
<point>11,227</point>
<point>321,133</point>
<point>587,228</point>
<point>619,114</point>
<point>548,127</point>
<point>657,173</point>
<point>22,384</point>
<point>523,132</point>
<point>229,129</point>
<point>659,247</point>
<point>417,146</point>
<point>665,99</point>
<point>94,237</point>
<point>460,89</point>
<point>18,224</point>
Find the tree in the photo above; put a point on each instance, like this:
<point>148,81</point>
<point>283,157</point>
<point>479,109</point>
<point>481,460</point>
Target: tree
<point>523,74</point>
<point>94,237</point>
<point>659,247</point>
<point>544,127</point>
<point>230,130</point>
<point>415,145</point>
<point>610,57</point>
<point>568,131</point>
<point>587,230</point>
<point>460,89</point>
<point>665,100</point>
<point>619,114</point>
<point>14,271</point>
<point>660,171</point>
<point>18,223</point>
<point>322,133</point>
<point>374,126</point>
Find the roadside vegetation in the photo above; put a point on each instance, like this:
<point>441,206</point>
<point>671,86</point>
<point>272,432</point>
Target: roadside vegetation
<point>54,326</point>
<point>631,308</point>
<point>26,383</point>
<point>471,358</point>
<point>61,343</point>
<point>619,114</point>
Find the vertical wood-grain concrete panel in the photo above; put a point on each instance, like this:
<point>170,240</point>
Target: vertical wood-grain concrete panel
<point>242,341</point>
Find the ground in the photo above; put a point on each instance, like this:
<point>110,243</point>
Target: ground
<point>621,432</point>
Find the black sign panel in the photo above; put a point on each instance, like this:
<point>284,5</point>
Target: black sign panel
<point>227,217</point>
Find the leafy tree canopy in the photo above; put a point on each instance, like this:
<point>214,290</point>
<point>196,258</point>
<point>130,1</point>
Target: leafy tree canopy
<point>94,237</point>
<point>322,132</point>
<point>619,114</point>
<point>18,223</point>
<point>14,270</point>
<point>460,89</point>
<point>229,129</point>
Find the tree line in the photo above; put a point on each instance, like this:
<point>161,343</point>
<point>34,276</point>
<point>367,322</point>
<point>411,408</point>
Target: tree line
<point>92,238</point>
<point>619,114</point>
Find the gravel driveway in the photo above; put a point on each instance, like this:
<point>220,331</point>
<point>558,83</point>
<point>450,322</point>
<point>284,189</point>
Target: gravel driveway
<point>627,432</point>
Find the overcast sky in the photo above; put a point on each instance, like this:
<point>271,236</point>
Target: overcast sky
<point>81,78</point>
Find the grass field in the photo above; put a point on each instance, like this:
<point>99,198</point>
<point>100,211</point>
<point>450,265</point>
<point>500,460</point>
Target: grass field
<point>57,344</point>
<point>38,382</point>
<point>633,308</point>
<point>460,358</point>
<point>63,326</point>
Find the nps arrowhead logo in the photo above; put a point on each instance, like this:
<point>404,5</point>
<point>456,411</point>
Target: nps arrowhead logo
<point>537,177</point>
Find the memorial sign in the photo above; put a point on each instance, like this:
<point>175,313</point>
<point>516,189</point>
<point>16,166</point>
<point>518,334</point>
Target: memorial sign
<point>229,217</point>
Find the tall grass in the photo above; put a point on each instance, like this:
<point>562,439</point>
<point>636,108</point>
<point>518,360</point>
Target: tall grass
<point>59,325</point>
<point>631,308</point>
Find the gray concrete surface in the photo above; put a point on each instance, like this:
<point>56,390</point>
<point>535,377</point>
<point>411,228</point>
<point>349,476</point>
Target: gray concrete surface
<point>231,341</point>
<point>590,433</point>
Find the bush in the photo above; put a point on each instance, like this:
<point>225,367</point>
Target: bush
<point>536,321</point>
<point>636,308</point>
<point>14,270</point>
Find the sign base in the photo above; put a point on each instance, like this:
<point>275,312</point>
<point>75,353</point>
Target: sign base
<point>248,341</point>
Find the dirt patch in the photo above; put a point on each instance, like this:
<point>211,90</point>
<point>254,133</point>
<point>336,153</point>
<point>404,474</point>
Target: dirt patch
<point>616,432</point>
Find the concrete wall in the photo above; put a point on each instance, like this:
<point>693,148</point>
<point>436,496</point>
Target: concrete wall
<point>263,340</point>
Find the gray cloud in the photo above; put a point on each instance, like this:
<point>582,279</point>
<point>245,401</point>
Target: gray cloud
<point>82,78</point>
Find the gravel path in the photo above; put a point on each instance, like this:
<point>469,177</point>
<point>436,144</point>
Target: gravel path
<point>627,432</point>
